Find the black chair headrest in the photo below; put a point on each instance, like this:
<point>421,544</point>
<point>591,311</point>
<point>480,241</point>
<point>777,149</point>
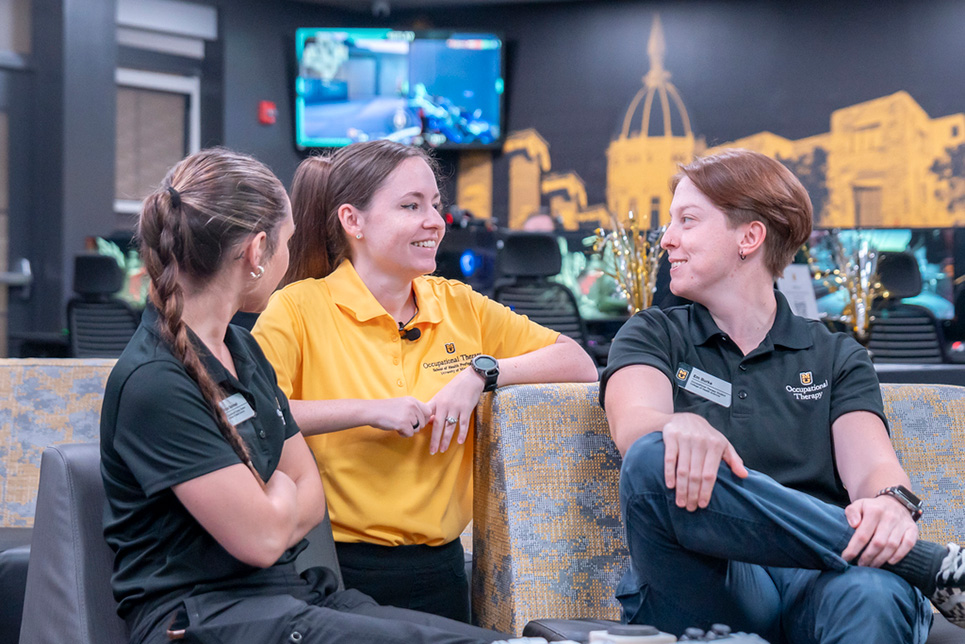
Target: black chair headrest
<point>97,275</point>
<point>899,274</point>
<point>526,254</point>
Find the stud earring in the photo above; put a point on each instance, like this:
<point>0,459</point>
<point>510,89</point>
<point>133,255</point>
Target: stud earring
<point>358,236</point>
<point>255,274</point>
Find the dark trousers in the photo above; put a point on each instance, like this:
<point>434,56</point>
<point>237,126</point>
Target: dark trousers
<point>277,606</point>
<point>431,579</point>
<point>761,558</point>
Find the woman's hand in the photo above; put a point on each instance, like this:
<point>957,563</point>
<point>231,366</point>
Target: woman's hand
<point>693,452</point>
<point>457,400</point>
<point>405,415</point>
<point>884,531</point>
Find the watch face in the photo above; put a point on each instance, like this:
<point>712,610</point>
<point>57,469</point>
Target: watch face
<point>909,495</point>
<point>485,363</point>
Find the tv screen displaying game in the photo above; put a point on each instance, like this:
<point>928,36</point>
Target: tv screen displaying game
<point>440,89</point>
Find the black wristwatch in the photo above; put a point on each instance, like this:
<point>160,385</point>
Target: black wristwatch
<point>906,498</point>
<point>488,370</point>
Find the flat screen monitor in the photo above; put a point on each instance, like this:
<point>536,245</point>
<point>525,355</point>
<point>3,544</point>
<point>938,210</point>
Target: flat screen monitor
<point>441,89</point>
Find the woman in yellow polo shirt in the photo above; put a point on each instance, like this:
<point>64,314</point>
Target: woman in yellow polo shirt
<point>384,366</point>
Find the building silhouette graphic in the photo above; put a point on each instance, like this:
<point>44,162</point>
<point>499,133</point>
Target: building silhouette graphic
<point>884,163</point>
<point>655,137</point>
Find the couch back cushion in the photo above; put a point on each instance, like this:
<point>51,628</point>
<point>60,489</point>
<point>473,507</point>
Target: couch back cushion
<point>44,402</point>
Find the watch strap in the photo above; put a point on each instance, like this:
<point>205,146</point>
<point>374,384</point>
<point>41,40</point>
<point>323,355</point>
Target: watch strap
<point>904,496</point>
<point>490,376</point>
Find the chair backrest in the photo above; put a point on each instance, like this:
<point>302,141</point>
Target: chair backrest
<point>525,262</point>
<point>905,333</point>
<point>71,563</point>
<point>902,332</point>
<point>899,274</point>
<point>68,597</point>
<point>525,254</point>
<point>546,303</point>
<point>97,275</point>
<point>100,324</point>
<point>100,328</point>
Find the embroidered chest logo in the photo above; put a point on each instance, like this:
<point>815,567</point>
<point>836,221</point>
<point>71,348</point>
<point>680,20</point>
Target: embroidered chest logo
<point>450,347</point>
<point>808,389</point>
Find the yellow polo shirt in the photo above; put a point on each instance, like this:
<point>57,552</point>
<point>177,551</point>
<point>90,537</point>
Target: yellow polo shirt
<point>330,339</point>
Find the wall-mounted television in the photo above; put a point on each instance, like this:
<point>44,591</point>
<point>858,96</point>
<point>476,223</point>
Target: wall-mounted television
<point>441,89</point>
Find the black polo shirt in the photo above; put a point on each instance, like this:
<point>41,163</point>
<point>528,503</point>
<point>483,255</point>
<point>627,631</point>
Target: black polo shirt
<point>158,431</point>
<point>785,394</point>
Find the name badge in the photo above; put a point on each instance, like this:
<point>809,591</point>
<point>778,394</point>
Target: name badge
<point>703,384</point>
<point>237,409</point>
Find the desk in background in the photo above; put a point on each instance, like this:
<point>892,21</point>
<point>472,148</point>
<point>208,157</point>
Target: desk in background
<point>937,374</point>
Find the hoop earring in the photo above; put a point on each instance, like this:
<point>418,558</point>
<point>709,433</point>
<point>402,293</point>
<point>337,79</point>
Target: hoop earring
<point>741,254</point>
<point>358,236</point>
<point>258,272</point>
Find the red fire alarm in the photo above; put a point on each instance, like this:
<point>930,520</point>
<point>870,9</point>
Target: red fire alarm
<point>267,112</point>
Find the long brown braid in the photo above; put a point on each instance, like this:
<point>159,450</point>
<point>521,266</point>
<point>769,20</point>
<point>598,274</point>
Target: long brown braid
<point>205,207</point>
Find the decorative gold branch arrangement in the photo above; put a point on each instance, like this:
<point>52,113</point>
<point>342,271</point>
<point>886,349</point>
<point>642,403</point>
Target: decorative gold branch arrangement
<point>634,254</point>
<point>856,271</point>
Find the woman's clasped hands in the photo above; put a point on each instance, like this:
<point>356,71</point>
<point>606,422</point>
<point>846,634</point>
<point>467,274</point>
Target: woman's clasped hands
<point>448,412</point>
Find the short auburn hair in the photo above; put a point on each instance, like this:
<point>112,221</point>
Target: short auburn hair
<point>750,186</point>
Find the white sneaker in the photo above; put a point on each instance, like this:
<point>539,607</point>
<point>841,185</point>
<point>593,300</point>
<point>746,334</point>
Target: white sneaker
<point>949,595</point>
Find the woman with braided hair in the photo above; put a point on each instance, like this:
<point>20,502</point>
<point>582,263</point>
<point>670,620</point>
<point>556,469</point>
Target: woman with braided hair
<point>210,486</point>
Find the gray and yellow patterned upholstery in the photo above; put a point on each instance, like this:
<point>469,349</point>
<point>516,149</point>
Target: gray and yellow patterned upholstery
<point>547,535</point>
<point>928,432</point>
<point>548,538</point>
<point>43,402</point>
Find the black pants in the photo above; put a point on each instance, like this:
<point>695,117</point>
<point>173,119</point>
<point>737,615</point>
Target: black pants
<point>276,606</point>
<point>431,579</point>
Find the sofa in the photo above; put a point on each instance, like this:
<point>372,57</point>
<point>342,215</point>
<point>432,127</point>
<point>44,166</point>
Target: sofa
<point>548,536</point>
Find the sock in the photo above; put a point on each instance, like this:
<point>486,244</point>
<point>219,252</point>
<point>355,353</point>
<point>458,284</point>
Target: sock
<point>920,566</point>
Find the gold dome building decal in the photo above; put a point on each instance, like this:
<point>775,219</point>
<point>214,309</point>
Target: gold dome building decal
<point>641,161</point>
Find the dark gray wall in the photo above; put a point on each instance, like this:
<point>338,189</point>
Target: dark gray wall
<point>62,140</point>
<point>259,58</point>
<point>741,67</point>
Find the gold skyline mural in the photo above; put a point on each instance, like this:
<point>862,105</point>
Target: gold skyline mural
<point>883,163</point>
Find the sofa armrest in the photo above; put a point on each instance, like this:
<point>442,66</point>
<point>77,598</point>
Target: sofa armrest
<point>548,540</point>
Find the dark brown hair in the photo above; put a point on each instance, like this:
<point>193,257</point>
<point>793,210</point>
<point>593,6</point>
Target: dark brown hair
<point>351,175</point>
<point>750,186</point>
<point>206,205</point>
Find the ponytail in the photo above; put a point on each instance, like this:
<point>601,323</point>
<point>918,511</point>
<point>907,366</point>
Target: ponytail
<point>320,245</point>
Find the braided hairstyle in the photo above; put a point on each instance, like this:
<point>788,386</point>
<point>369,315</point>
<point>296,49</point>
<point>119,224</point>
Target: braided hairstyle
<point>351,175</point>
<point>206,206</point>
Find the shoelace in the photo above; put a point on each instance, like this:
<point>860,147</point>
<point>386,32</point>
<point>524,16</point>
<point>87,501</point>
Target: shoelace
<point>953,565</point>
